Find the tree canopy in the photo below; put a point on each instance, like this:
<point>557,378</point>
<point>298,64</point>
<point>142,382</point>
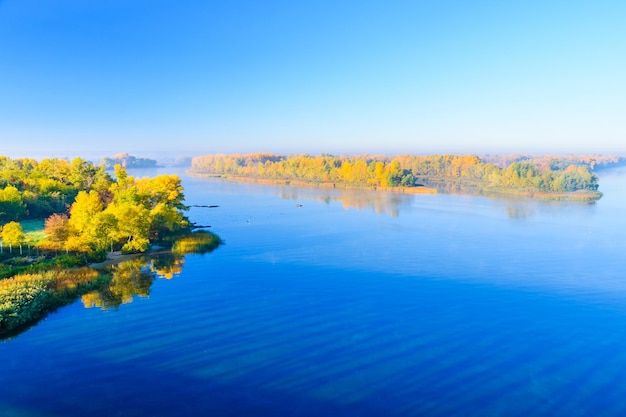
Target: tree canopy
<point>139,211</point>
<point>32,189</point>
<point>12,234</point>
<point>86,208</point>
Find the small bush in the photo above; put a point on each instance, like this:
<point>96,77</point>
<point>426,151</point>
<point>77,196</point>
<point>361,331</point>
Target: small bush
<point>138,245</point>
<point>68,261</point>
<point>17,261</point>
<point>196,242</point>
<point>96,256</point>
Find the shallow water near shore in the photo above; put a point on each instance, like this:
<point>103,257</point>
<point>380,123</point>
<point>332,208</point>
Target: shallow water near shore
<point>351,302</point>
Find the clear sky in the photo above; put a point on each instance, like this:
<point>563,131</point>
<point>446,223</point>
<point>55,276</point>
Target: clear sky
<point>194,77</point>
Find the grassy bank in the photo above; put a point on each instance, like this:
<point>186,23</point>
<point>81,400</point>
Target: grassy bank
<point>20,265</point>
<point>25,299</point>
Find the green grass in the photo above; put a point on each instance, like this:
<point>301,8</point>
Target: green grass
<point>13,264</point>
<point>34,230</point>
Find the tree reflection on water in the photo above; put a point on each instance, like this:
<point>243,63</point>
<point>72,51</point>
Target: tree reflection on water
<point>383,203</point>
<point>132,278</point>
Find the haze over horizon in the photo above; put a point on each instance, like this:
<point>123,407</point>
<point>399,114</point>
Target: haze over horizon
<point>188,78</point>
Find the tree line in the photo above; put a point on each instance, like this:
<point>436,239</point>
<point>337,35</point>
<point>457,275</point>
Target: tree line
<point>558,162</point>
<point>33,189</point>
<point>399,171</point>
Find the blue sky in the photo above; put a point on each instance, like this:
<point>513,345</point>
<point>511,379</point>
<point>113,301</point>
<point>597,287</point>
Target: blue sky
<point>191,77</point>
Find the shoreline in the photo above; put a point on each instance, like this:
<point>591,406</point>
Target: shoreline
<point>117,257</point>
<point>421,189</point>
<point>579,196</point>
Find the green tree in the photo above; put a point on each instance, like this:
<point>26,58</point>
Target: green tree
<point>392,175</point>
<point>133,226</point>
<point>163,197</point>
<point>102,232</point>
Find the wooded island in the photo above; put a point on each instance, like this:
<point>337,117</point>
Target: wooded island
<point>462,172</point>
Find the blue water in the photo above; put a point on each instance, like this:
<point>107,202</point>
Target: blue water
<point>357,304</point>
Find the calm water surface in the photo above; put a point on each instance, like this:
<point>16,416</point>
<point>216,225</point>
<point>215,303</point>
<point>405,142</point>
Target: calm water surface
<point>328,302</point>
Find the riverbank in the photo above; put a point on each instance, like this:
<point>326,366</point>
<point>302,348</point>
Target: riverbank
<point>420,189</point>
<point>117,257</point>
<point>433,186</point>
<point>27,298</point>
<point>475,187</point>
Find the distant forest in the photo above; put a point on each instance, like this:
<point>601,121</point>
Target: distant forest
<point>557,162</point>
<point>548,174</point>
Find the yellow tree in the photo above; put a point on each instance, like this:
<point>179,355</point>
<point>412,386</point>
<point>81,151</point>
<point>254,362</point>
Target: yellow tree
<point>102,231</point>
<point>346,172</point>
<point>85,208</point>
<point>392,174</point>
<point>163,197</point>
<point>133,226</point>
<point>359,172</point>
<point>13,235</point>
<point>379,170</point>
<point>12,205</point>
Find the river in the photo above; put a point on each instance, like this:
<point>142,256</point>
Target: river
<point>351,303</point>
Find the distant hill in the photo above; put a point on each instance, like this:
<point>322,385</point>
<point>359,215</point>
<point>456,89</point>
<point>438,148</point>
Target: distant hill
<point>128,161</point>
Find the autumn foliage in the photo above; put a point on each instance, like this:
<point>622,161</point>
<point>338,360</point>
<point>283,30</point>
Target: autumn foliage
<point>398,171</point>
<point>137,212</point>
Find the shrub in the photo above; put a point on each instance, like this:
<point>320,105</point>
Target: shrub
<point>27,298</point>
<point>196,242</point>
<point>22,299</point>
